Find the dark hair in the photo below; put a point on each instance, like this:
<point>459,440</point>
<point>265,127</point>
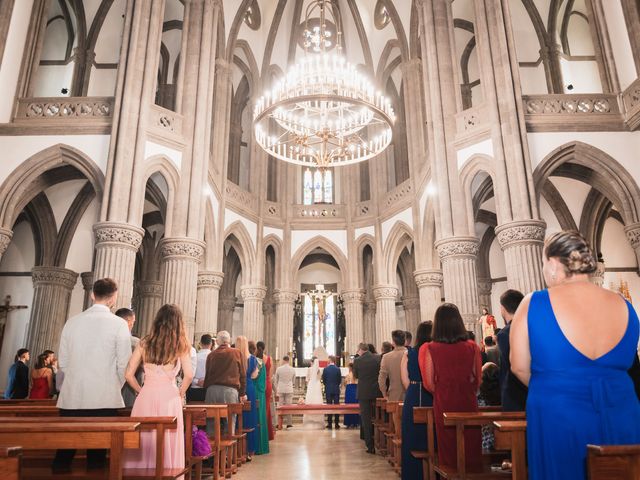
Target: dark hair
<point>387,347</point>
<point>485,310</point>
<point>372,348</point>
<point>496,331</point>
<point>407,336</point>
<point>510,300</point>
<point>488,341</point>
<point>423,334</point>
<point>572,250</point>
<point>49,352</point>
<point>398,337</point>
<point>363,346</point>
<point>448,326</point>
<point>19,353</point>
<point>490,386</point>
<point>332,358</point>
<point>252,347</point>
<point>125,313</point>
<point>167,340</point>
<point>206,339</point>
<point>260,345</point>
<point>41,362</point>
<point>285,358</point>
<point>104,288</point>
<point>471,335</point>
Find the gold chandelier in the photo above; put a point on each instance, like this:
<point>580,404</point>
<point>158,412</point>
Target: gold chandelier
<point>323,112</point>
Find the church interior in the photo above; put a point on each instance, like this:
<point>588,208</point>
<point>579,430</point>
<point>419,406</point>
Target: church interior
<point>160,143</point>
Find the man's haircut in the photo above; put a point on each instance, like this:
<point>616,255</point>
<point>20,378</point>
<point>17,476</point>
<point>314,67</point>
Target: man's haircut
<point>285,358</point>
<point>510,300</point>
<point>407,336</point>
<point>125,313</point>
<point>364,347</point>
<point>21,352</point>
<point>398,337</point>
<point>488,341</point>
<point>332,358</point>
<point>260,345</point>
<point>206,339</point>
<point>104,288</point>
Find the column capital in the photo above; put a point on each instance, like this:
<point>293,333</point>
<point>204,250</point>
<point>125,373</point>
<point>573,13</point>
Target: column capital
<point>55,276</point>
<point>457,247</point>
<point>149,288</point>
<point>182,247</point>
<point>120,234</point>
<point>87,280</point>
<point>411,302</point>
<point>268,307</point>
<point>210,279</point>
<point>353,296</point>
<point>253,292</point>
<point>413,64</point>
<point>227,303</point>
<point>385,292</point>
<point>5,239</point>
<point>285,296</point>
<point>428,278</point>
<point>521,232</point>
<point>633,234</point>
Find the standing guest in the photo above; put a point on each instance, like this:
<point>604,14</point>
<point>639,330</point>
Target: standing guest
<point>250,417</point>
<point>451,368</point>
<point>579,390</point>
<point>261,397</point>
<point>285,375</point>
<point>332,379</point>
<point>128,393</point>
<point>225,377</point>
<point>18,378</point>
<point>393,390</point>
<point>512,390</point>
<point>163,353</point>
<point>366,369</point>
<point>491,351</point>
<point>371,347</point>
<point>52,364</point>
<point>414,435</point>
<point>41,378</point>
<point>408,338</point>
<point>196,393</point>
<point>387,347</point>
<point>351,420</point>
<point>93,370</point>
<point>269,387</point>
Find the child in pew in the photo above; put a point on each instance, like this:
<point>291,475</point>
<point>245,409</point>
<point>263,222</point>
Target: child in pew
<point>489,395</point>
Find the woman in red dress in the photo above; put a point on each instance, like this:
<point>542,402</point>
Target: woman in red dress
<point>451,369</point>
<point>41,378</point>
<point>268,393</point>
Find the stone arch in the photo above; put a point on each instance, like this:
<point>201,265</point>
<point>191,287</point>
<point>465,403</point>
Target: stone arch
<point>238,237</point>
<point>162,165</point>
<point>273,241</point>
<point>426,254</point>
<point>399,238</point>
<point>474,166</point>
<point>363,241</point>
<point>330,247</point>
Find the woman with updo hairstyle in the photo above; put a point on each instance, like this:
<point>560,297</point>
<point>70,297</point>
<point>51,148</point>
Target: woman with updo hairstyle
<point>572,344</point>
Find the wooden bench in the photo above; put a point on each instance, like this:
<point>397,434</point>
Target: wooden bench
<point>613,461</point>
<point>380,427</point>
<point>426,415</point>
<point>394,435</point>
<point>317,409</point>
<point>193,416</point>
<point>27,401</point>
<point>10,463</point>
<point>512,435</point>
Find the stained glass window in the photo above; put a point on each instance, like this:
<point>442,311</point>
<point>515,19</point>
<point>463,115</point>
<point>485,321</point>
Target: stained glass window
<point>317,186</point>
<point>307,188</point>
<point>328,186</point>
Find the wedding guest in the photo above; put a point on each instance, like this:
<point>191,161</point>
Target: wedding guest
<point>52,364</point>
<point>18,377</point>
<point>196,393</point>
<point>389,378</point>
<point>260,353</point>
<point>250,417</point>
<point>41,378</point>
<point>332,379</point>
<point>366,369</point>
<point>261,397</point>
<point>387,347</point>
<point>371,347</point>
<point>93,370</point>
<point>128,394</point>
<point>163,353</point>
<point>491,351</point>
<point>489,395</point>
<point>408,338</point>
<point>579,390</point>
<point>283,381</point>
<point>351,420</point>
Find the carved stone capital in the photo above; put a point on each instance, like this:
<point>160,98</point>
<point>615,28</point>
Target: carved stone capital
<point>385,292</point>
<point>428,278</point>
<point>411,302</point>
<point>87,280</point>
<point>369,307</point>
<point>210,279</point>
<point>268,308</point>
<point>353,296</point>
<point>55,276</point>
<point>227,303</point>
<point>5,239</point>
<point>149,288</point>
<point>525,232</point>
<point>484,286</point>
<point>285,296</point>
<point>118,234</point>
<point>253,292</point>
<point>457,247</point>
<point>185,248</point>
<point>633,234</point>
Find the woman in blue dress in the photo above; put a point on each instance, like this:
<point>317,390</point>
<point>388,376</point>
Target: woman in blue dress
<point>414,436</point>
<point>573,344</point>
<point>351,420</point>
<point>250,417</point>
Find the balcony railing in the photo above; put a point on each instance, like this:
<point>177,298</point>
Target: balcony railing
<point>573,112</point>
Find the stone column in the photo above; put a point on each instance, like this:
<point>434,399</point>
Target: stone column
<point>550,54</point>
<point>253,320</point>
<point>269,316</point>
<point>148,302</point>
<point>369,321</point>
<point>180,259</point>
<point>87,285</point>
<point>5,239</point>
<point>116,247</point>
<point>484,292</point>
<point>385,296</point>
<point>522,244</point>
<point>208,295</point>
<point>411,304</point>
<point>285,304</point>
<point>458,257</point>
<point>597,277</point>
<point>52,287</point>
<point>633,235</point>
<point>429,282</point>
<point>226,306</point>
<point>354,318</point>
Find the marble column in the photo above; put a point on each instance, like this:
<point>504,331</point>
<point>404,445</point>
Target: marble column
<point>484,293</point>
<point>226,306</point>
<point>411,304</point>
<point>148,302</point>
<point>597,277</point>
<point>116,247</point>
<point>269,316</point>
<point>633,235</point>
<point>522,244</point>
<point>354,318</point>
<point>180,259</point>
<point>429,282</point>
<point>369,321</point>
<point>5,239</point>
<point>52,288</point>
<point>87,285</point>
<point>458,257</point>
<point>285,305</point>
<point>208,295</point>
<point>253,320</point>
<point>385,296</point>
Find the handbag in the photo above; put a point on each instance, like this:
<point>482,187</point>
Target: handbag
<point>200,443</point>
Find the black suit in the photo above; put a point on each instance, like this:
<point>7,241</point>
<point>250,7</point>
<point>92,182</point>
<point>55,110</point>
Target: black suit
<point>18,381</point>
<point>514,392</point>
<point>366,369</point>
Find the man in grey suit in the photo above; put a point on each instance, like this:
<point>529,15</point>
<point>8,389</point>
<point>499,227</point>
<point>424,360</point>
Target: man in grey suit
<point>366,369</point>
<point>390,369</point>
<point>128,394</point>
<point>283,380</point>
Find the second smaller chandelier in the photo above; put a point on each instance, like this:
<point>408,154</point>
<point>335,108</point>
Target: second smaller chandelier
<point>324,112</point>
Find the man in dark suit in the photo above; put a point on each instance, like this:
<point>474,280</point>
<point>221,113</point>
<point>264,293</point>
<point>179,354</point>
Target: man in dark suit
<point>366,369</point>
<point>18,378</point>
<point>332,379</point>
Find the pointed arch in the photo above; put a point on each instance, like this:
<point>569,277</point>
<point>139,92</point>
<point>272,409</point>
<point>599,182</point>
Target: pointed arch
<point>163,166</point>
<point>400,237</point>
<point>273,241</point>
<point>362,242</point>
<point>238,237</point>
<point>327,245</point>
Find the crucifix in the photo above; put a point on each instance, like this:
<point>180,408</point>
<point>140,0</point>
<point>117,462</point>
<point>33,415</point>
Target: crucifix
<point>4,311</point>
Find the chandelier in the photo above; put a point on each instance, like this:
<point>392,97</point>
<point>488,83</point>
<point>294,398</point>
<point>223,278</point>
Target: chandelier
<point>323,112</point>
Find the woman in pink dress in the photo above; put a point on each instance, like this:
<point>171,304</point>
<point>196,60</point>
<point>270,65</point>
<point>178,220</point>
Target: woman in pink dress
<point>163,353</point>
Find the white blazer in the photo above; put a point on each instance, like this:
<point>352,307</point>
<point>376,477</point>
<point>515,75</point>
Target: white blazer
<point>95,347</point>
<point>284,377</point>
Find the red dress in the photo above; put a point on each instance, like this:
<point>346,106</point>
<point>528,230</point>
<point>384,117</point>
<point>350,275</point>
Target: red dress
<point>268,393</point>
<point>456,377</point>
<point>39,388</point>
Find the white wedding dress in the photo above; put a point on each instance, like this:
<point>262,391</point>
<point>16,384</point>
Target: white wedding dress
<point>313,397</point>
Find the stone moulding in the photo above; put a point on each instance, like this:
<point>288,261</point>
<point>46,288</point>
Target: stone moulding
<point>210,279</point>
<point>54,275</point>
<point>118,233</point>
<point>428,278</point>
<point>527,232</point>
<point>149,288</point>
<point>633,234</point>
<point>385,292</point>
<point>253,292</point>
<point>61,108</point>
<point>458,247</point>
<point>411,302</point>
<point>353,296</point>
<point>5,239</point>
<point>631,102</point>
<point>285,296</point>
<point>183,247</point>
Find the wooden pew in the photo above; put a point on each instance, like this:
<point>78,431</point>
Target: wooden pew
<point>425,415</point>
<point>394,436</point>
<point>10,463</point>
<point>613,461</point>
<point>380,426</point>
<point>215,413</point>
<point>246,407</point>
<point>512,435</point>
<point>194,417</point>
<point>27,401</point>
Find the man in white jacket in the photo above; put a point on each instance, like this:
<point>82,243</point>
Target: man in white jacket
<point>95,347</point>
<point>283,379</point>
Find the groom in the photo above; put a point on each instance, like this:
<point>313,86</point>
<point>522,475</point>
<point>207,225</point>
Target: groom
<point>332,379</point>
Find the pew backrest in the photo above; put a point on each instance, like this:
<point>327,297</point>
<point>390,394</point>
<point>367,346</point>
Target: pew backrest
<point>613,461</point>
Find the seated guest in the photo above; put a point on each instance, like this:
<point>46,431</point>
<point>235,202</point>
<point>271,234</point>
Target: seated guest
<point>389,378</point>
<point>196,393</point>
<point>128,394</point>
<point>451,368</point>
<point>489,396</point>
<point>18,377</point>
<point>41,378</point>
<point>579,390</point>
<point>492,352</point>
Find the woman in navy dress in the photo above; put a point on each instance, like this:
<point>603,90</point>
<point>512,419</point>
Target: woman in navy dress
<point>573,344</point>
<point>250,417</point>
<point>414,435</point>
<point>351,420</point>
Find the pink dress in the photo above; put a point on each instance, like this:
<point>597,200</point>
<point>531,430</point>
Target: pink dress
<point>159,397</point>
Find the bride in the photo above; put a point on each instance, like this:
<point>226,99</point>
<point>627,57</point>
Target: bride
<point>313,397</point>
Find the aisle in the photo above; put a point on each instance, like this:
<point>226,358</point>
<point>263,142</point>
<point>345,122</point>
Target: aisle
<point>316,455</point>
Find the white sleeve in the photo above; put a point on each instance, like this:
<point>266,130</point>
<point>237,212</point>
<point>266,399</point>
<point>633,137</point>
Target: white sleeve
<point>123,350</point>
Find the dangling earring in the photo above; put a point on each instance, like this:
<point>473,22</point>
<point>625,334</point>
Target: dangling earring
<point>553,276</point>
